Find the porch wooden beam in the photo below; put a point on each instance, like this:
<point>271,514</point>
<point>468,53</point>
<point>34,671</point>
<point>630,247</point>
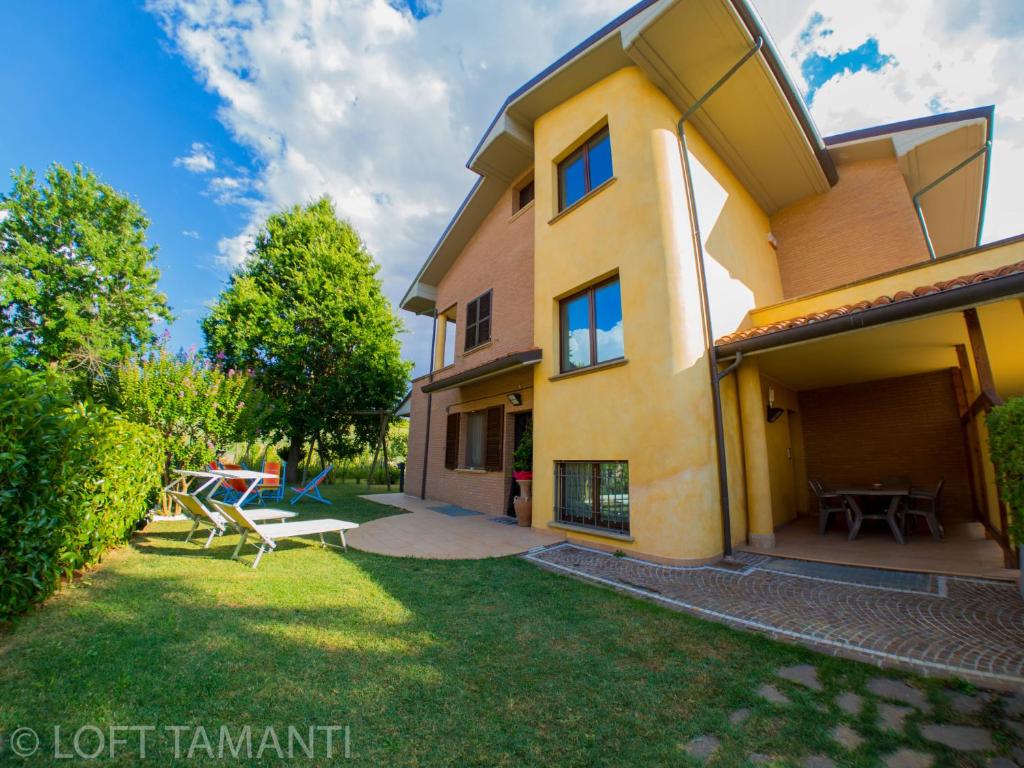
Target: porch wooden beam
<point>986,382</point>
<point>978,506</point>
<point>987,399</point>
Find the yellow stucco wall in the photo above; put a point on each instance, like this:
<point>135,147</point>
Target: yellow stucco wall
<point>655,410</point>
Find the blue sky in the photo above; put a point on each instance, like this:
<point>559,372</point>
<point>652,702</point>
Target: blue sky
<point>296,99</point>
<point>105,90</point>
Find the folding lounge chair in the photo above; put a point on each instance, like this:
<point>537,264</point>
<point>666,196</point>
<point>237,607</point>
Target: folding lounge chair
<point>218,523</point>
<point>269,535</point>
<point>312,488</point>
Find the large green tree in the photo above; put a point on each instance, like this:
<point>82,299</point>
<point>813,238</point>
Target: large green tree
<point>307,315</point>
<point>77,279</point>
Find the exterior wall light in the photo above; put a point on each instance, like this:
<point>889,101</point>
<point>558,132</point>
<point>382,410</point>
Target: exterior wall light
<point>515,398</point>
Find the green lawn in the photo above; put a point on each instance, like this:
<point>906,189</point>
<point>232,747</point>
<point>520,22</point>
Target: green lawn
<point>490,662</point>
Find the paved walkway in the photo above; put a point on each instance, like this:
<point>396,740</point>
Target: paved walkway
<point>929,623</point>
<point>435,529</point>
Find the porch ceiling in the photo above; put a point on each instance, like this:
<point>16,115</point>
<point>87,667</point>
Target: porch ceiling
<point>902,349</point>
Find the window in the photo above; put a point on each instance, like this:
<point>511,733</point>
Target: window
<point>591,327</point>
<point>593,493</point>
<point>448,357</point>
<point>524,195</point>
<point>483,440</point>
<point>478,321</point>
<point>476,434</point>
<point>587,168</point>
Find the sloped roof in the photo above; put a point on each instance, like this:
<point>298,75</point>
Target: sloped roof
<point>862,306</point>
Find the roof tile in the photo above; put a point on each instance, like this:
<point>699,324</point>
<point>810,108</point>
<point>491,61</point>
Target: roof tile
<point>860,306</point>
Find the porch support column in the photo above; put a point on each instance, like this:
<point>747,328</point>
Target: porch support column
<point>440,331</point>
<point>755,455</point>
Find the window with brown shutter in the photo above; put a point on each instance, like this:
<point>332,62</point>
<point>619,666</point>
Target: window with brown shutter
<point>492,453</point>
<point>451,443</point>
<point>478,321</point>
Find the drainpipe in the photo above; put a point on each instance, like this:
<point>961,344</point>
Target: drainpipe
<point>985,150</point>
<point>430,400</point>
<point>716,376</point>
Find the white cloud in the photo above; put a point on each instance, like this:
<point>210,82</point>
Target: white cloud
<point>232,251</point>
<point>360,101</point>
<point>198,160</point>
<point>190,233</point>
<point>948,55</point>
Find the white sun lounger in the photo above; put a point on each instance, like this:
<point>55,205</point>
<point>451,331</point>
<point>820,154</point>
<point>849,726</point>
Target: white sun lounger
<point>269,535</point>
<point>218,523</point>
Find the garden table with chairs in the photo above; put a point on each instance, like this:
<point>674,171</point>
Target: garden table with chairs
<point>893,501</point>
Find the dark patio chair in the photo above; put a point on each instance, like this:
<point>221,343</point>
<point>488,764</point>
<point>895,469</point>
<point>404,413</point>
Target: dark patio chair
<point>925,503</point>
<point>829,503</point>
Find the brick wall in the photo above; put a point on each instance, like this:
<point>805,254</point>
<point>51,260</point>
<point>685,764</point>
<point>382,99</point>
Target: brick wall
<point>486,492</point>
<point>499,258</point>
<point>861,433</point>
<point>863,226</point>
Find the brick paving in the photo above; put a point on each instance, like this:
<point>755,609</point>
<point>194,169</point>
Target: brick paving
<point>967,627</point>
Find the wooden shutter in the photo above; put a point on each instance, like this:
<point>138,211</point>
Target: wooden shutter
<point>471,316</point>
<point>451,442</point>
<point>483,318</point>
<point>492,448</point>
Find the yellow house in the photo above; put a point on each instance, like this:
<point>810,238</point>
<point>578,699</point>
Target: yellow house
<point>707,311</point>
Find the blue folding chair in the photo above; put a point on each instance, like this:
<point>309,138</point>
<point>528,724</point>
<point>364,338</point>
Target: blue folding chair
<point>312,488</point>
<point>269,490</point>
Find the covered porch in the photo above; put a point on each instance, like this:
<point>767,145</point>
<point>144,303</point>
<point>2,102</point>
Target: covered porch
<point>880,401</point>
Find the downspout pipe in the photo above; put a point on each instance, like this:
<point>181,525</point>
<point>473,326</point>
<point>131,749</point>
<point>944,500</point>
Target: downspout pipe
<point>430,401</point>
<point>702,284</point>
<point>985,150</point>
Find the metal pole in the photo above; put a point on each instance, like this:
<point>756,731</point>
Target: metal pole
<point>430,400</point>
<point>709,339</point>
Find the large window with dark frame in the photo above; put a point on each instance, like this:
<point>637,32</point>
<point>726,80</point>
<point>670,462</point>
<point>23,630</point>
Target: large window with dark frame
<point>593,494</point>
<point>478,321</point>
<point>473,440</point>
<point>584,170</point>
<point>591,327</point>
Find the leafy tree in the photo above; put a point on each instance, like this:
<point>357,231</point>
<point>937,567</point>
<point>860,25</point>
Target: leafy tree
<point>198,407</point>
<point>306,313</point>
<point>77,280</point>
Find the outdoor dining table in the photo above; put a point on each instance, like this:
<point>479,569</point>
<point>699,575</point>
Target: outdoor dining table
<point>189,475</point>
<point>250,476</point>
<point>895,493</point>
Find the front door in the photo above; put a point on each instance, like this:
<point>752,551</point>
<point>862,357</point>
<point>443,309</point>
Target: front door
<point>519,422</point>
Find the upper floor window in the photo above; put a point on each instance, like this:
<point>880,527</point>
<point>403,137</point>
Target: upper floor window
<point>478,321</point>
<point>524,195</point>
<point>591,326</point>
<point>448,355</point>
<point>585,169</point>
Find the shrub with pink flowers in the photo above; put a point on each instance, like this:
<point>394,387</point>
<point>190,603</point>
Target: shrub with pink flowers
<point>198,406</point>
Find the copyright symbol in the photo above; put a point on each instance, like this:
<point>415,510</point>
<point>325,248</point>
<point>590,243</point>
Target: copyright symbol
<point>24,742</point>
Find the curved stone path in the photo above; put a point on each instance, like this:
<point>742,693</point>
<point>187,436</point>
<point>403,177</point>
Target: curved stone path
<point>968,627</point>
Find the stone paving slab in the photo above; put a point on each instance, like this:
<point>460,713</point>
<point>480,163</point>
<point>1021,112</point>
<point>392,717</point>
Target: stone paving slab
<point>972,628</point>
<point>434,533</point>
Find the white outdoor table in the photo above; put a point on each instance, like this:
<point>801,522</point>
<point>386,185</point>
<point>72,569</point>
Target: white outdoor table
<point>251,476</point>
<point>191,475</point>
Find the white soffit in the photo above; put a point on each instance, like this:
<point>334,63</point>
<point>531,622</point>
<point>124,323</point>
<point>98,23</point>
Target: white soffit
<point>685,46</point>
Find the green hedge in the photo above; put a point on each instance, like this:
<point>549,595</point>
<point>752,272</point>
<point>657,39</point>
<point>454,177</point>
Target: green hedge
<point>1006,443</point>
<point>75,480</point>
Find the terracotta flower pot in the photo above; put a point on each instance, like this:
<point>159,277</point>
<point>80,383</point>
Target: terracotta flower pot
<point>523,504</point>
